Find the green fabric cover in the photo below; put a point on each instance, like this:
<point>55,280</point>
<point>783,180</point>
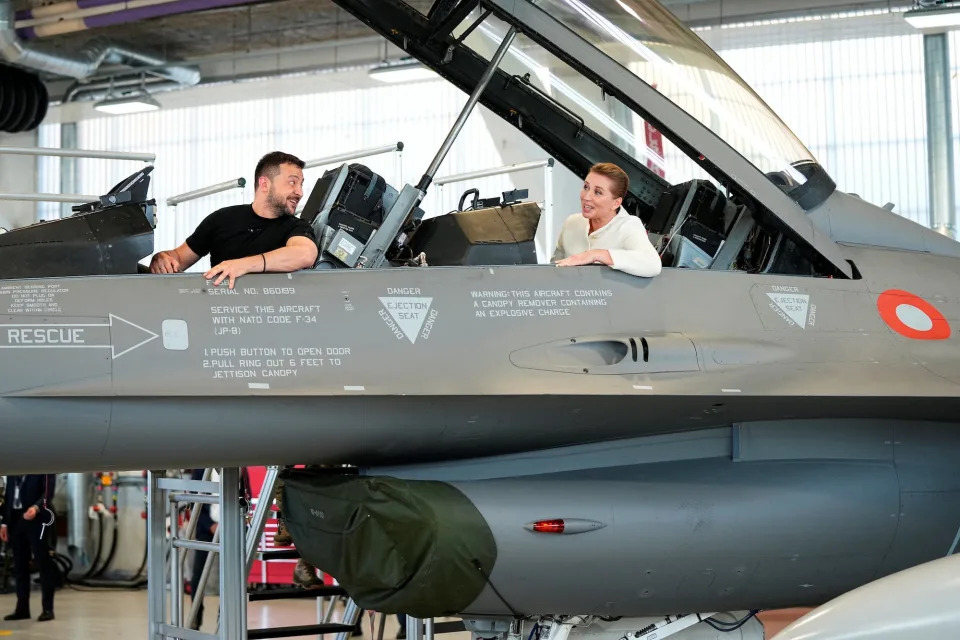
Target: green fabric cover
<point>396,546</point>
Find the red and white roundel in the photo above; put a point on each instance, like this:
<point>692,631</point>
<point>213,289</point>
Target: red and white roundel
<point>912,316</point>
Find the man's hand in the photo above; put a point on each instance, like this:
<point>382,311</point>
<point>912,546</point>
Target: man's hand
<point>3,533</point>
<point>31,513</point>
<point>233,269</point>
<point>601,256</point>
<point>165,262</point>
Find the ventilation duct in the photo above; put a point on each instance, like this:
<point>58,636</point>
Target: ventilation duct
<point>116,86</point>
<point>88,60</point>
<point>80,15</point>
<point>23,100</point>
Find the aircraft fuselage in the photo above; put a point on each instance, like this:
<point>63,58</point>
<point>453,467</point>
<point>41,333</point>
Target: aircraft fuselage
<point>122,372</point>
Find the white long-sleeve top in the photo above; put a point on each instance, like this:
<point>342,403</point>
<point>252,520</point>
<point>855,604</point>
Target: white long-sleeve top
<point>624,237</point>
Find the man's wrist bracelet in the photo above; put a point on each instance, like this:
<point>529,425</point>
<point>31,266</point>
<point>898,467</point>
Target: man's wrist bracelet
<point>264,256</point>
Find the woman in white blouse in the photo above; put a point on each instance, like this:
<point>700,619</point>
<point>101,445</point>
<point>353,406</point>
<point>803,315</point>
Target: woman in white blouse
<point>602,233</point>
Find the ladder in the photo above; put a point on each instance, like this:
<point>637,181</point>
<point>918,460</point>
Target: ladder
<point>167,617</point>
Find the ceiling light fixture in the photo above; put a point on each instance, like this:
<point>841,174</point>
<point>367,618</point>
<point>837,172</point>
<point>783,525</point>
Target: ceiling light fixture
<point>136,103</point>
<point>135,100</point>
<point>404,71</point>
<point>941,17</point>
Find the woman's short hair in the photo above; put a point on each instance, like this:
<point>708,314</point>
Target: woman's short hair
<point>621,182</point>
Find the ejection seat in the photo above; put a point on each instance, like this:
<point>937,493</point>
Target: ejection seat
<point>108,236</point>
<point>346,208</point>
<point>348,205</point>
<point>690,223</point>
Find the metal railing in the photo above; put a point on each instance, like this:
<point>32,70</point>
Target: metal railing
<point>547,207</point>
<point>494,171</point>
<point>236,183</point>
<point>396,147</point>
<point>239,183</point>
<point>75,198</point>
<point>78,153</point>
<point>68,198</point>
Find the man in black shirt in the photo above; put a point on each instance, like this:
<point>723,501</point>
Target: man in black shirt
<point>252,238</point>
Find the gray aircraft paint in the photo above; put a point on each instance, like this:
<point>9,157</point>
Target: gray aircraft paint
<point>793,388</point>
<point>140,363</point>
<point>763,515</point>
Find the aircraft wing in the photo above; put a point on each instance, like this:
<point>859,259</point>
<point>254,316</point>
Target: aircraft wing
<point>920,602</point>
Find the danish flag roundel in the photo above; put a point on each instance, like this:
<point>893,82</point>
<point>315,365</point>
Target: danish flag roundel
<point>911,316</point>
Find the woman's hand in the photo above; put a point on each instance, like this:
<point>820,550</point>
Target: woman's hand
<point>593,256</point>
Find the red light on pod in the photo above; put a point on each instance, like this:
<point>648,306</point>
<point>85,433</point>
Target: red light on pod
<point>564,525</point>
<point>548,526</point>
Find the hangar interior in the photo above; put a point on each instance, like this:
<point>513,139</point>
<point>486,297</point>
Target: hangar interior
<point>872,97</point>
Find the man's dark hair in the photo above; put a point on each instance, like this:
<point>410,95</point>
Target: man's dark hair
<point>269,165</point>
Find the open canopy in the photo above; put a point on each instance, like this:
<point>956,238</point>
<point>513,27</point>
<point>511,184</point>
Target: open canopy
<point>588,79</point>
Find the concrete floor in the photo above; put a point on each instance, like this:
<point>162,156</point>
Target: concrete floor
<point>105,615</point>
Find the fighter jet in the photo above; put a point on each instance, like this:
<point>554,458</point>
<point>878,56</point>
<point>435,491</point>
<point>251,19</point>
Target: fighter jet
<point>769,422</point>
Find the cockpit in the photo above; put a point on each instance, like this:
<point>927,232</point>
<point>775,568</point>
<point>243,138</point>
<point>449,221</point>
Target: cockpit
<point>694,226</point>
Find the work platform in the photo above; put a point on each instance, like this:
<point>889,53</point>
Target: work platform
<point>236,540</point>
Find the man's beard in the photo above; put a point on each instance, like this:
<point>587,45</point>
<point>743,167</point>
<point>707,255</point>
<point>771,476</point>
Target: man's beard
<point>279,206</point>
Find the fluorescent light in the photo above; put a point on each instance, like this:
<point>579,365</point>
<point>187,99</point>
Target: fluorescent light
<point>402,72</point>
<point>806,17</point>
<point>944,18</point>
<point>137,103</point>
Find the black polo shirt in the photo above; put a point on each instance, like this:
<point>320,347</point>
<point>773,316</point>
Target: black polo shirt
<point>238,232</point>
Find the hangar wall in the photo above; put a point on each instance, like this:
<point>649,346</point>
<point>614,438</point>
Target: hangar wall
<point>955,102</point>
<point>859,106</point>
<point>223,136</point>
<point>18,174</point>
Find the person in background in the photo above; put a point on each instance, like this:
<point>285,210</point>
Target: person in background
<point>27,515</point>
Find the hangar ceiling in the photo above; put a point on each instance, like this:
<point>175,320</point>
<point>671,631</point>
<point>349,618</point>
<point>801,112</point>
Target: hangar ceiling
<point>237,29</point>
<point>262,37</point>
